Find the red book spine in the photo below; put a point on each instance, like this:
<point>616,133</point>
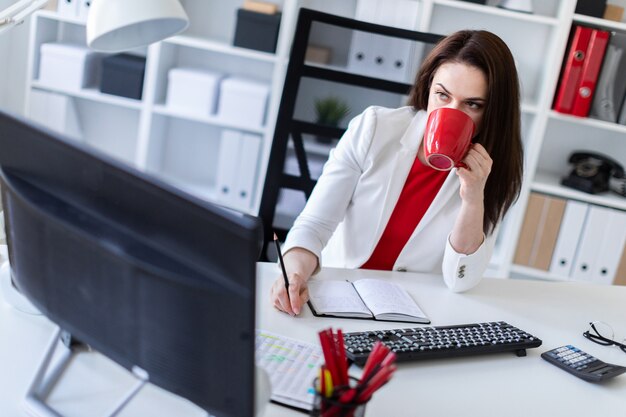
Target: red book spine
<point>570,78</point>
<point>590,72</point>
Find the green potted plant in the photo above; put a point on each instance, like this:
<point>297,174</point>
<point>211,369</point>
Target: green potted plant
<point>330,111</point>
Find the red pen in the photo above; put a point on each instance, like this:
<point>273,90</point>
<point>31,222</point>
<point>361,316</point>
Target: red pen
<point>329,357</point>
<point>343,363</point>
<point>377,381</point>
<point>379,351</point>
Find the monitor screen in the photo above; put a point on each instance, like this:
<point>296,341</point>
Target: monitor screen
<point>138,270</point>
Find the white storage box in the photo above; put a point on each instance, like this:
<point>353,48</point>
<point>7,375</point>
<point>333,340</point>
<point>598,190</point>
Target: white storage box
<point>193,91</point>
<point>68,66</point>
<point>243,101</point>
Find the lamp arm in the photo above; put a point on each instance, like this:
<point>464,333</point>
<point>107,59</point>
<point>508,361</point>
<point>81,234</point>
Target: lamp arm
<point>16,13</point>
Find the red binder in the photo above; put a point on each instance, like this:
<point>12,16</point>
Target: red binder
<point>590,72</point>
<point>570,78</point>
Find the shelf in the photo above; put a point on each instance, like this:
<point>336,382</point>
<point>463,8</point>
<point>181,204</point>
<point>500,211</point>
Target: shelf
<point>497,11</point>
<point>537,273</point>
<point>530,108</point>
<point>210,120</point>
<point>588,121</point>
<point>221,47</point>
<point>342,75</point>
<point>52,15</point>
<point>549,184</point>
<point>602,23</point>
<point>91,94</point>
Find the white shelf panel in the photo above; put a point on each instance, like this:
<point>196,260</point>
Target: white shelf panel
<point>210,120</point>
<point>587,121</point>
<point>550,184</point>
<point>52,15</point>
<point>603,23</point>
<point>91,94</point>
<point>530,108</point>
<point>221,47</point>
<point>497,11</point>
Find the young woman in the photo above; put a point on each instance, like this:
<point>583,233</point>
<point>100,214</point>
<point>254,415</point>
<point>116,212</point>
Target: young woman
<point>377,205</point>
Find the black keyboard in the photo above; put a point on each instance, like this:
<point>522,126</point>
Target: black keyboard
<point>442,341</point>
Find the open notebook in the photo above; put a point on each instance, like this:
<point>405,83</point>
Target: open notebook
<point>373,299</point>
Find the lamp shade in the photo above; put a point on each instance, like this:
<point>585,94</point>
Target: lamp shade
<point>118,25</point>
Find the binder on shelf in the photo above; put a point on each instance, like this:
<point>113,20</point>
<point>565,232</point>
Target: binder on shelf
<point>364,45</point>
<point>611,86</point>
<point>398,53</point>
<point>620,274</point>
<point>590,72</point>
<point>547,235</point>
<point>611,248</point>
<point>246,174</point>
<point>529,229</point>
<point>572,70</point>
<point>589,247</point>
<point>229,156</point>
<point>67,8</point>
<point>568,238</point>
<point>382,56</point>
<point>540,231</point>
<point>83,8</point>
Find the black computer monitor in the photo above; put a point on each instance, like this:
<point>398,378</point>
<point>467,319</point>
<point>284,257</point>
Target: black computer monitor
<point>138,270</point>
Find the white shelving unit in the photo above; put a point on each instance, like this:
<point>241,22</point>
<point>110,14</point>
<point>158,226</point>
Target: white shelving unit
<point>183,149</point>
<point>178,147</point>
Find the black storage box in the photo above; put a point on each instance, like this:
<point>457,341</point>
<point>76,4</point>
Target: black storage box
<point>594,8</point>
<point>122,75</point>
<point>477,1</point>
<point>257,30</point>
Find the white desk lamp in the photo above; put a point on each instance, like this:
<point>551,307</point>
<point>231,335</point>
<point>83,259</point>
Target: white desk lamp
<point>117,25</point>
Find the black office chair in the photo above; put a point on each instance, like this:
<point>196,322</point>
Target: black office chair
<point>288,126</point>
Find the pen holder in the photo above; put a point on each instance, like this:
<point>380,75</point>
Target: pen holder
<point>336,405</point>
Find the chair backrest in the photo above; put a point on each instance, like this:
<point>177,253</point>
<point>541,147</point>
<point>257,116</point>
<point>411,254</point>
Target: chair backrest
<point>368,65</point>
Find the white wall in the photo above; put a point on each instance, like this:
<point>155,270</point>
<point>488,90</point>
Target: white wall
<point>13,58</point>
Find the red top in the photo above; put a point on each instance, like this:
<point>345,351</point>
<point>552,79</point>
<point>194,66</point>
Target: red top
<point>421,186</point>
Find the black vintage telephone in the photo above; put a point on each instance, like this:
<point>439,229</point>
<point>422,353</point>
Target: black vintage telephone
<point>595,173</point>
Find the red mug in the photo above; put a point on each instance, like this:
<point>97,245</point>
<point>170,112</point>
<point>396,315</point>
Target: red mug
<point>447,138</point>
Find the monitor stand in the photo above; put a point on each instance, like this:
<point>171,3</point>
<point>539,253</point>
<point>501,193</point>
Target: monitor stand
<point>47,377</point>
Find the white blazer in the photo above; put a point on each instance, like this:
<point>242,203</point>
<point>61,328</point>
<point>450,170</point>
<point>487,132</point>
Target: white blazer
<point>351,204</point>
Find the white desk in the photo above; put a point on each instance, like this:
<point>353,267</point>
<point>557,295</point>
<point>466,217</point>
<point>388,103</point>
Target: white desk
<point>491,385</point>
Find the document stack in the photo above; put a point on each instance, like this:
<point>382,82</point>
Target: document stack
<point>573,240</point>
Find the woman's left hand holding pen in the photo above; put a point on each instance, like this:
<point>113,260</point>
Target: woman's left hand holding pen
<point>299,265</point>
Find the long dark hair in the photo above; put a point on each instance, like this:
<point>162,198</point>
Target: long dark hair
<point>500,133</point>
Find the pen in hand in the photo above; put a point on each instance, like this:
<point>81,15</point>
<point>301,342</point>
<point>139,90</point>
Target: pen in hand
<point>282,265</point>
